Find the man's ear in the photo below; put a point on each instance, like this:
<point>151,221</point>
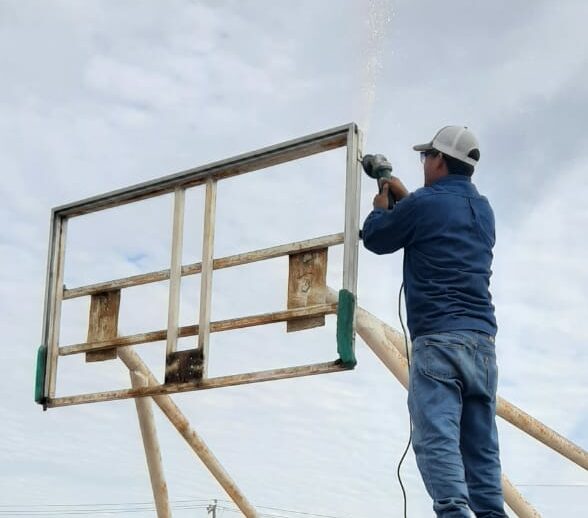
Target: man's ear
<point>441,165</point>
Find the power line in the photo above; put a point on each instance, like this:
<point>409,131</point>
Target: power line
<point>80,509</point>
<point>92,512</point>
<point>303,513</point>
<point>48,510</point>
<point>579,484</point>
<point>190,500</point>
<point>68,510</point>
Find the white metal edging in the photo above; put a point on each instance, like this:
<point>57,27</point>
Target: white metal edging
<point>175,277</point>
<point>57,262</point>
<point>207,270</point>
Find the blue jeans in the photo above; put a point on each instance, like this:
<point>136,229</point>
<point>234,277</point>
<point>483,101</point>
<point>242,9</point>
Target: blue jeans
<point>452,404</point>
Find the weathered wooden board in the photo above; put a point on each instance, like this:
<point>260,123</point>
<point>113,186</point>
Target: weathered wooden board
<point>222,381</point>
<point>103,323</point>
<point>307,286</point>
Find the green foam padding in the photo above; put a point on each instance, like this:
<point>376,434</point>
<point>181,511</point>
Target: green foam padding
<point>40,374</point>
<point>345,335</point>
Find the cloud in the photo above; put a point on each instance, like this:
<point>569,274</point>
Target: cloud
<point>101,98</point>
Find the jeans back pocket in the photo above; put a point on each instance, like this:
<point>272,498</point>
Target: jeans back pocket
<point>442,361</point>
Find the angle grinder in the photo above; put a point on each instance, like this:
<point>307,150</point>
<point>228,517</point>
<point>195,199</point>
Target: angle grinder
<point>378,167</point>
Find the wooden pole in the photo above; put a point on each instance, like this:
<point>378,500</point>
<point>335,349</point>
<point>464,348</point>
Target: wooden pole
<point>372,331</point>
<point>516,501</point>
<point>388,345</point>
<point>134,363</point>
<point>541,432</point>
<point>151,445</point>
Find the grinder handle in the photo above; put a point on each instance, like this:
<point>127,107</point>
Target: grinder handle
<point>391,198</point>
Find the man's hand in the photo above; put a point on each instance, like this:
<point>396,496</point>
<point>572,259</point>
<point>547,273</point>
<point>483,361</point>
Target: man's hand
<point>394,185</point>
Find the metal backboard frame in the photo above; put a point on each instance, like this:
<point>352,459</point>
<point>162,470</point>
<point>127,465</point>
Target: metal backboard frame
<point>209,175</point>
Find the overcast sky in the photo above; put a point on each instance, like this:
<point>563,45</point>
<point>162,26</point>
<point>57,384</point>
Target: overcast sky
<point>97,96</point>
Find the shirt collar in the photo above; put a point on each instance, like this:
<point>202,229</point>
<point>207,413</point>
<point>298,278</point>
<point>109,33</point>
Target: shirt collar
<point>450,178</point>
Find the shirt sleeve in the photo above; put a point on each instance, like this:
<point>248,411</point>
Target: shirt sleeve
<point>386,231</point>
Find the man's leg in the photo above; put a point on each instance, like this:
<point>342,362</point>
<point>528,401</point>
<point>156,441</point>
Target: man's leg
<point>479,438</point>
<point>434,401</point>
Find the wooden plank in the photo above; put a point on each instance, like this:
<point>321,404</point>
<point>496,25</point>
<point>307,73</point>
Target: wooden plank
<point>222,381</point>
<point>103,324</point>
<point>207,269</point>
<point>186,331</point>
<point>173,310</point>
<point>307,286</point>
<point>58,264</point>
<point>256,160</point>
<point>218,264</point>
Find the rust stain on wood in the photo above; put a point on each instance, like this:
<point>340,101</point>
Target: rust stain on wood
<point>103,323</point>
<point>307,286</point>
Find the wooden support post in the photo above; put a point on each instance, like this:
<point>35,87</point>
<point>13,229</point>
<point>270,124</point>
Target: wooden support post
<point>307,285</point>
<point>103,323</point>
<point>134,363</point>
<point>151,445</point>
<point>207,269</point>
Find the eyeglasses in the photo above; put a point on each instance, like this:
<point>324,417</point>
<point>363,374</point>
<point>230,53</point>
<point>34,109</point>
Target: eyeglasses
<point>429,152</point>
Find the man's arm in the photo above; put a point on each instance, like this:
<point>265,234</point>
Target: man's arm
<point>386,231</point>
<point>393,184</point>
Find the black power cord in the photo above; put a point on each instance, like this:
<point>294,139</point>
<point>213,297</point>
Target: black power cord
<point>410,421</point>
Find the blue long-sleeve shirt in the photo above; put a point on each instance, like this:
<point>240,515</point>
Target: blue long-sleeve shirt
<point>447,232</point>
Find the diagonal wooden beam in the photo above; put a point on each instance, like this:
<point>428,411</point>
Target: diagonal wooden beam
<point>388,344</point>
<point>134,363</point>
<point>377,336</point>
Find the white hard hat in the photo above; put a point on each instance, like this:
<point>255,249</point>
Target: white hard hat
<point>456,141</point>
